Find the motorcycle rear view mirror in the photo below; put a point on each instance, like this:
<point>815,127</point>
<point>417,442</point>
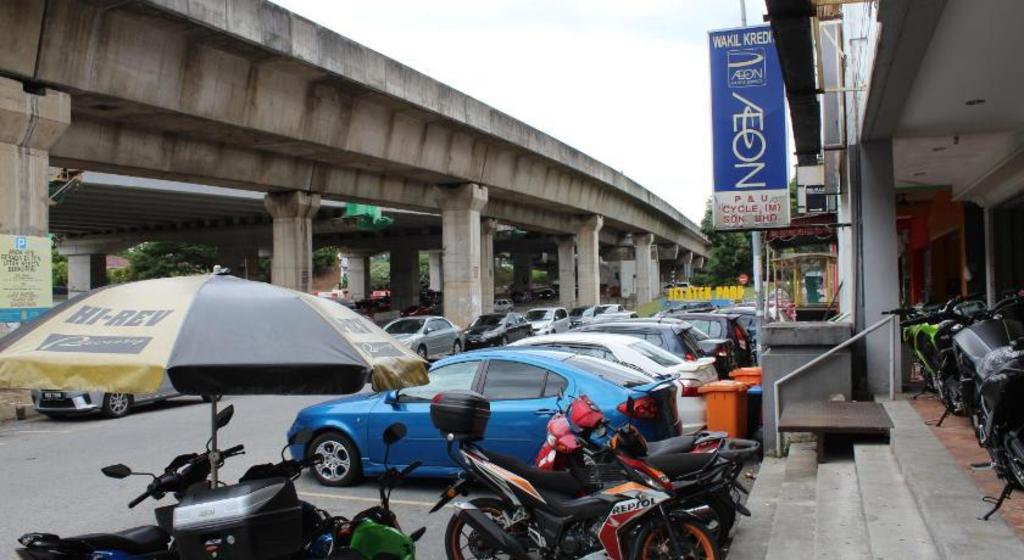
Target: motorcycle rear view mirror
<point>224,416</point>
<point>394,433</point>
<point>116,471</point>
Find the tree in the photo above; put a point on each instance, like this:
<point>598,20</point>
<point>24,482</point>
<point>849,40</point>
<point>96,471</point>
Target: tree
<point>60,267</point>
<point>730,254</point>
<point>160,259</point>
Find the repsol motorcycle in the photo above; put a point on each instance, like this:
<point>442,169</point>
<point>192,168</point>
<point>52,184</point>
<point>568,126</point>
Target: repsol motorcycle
<point>702,469</point>
<point>541,513</point>
<point>990,355</point>
<point>258,517</point>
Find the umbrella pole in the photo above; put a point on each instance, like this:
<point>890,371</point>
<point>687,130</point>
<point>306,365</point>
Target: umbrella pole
<point>214,454</point>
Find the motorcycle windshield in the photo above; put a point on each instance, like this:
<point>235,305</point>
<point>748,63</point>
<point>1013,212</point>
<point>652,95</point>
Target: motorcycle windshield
<point>977,340</point>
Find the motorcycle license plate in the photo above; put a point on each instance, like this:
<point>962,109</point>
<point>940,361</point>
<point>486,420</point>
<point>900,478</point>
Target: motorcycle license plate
<point>53,395</point>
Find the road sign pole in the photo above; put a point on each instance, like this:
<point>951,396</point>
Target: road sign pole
<point>755,249</point>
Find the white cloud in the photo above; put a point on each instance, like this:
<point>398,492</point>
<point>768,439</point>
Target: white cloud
<point>625,82</point>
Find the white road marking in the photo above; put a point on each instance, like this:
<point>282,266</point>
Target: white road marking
<point>365,499</point>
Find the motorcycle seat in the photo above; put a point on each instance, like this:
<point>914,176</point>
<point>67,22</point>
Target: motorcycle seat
<point>137,540</point>
<point>559,482</point>
<point>681,465</point>
<point>678,444</point>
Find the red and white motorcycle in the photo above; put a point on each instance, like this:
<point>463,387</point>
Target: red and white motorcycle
<point>547,514</point>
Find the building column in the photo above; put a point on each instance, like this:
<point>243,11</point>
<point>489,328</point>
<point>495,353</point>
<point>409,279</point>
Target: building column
<point>436,270</point>
<point>879,281</point>
<point>589,261</point>
<point>991,291</point>
<point>487,229</point>
<point>405,277</point>
<point>688,266</point>
<point>293,211</point>
<point>87,263</point>
<point>460,233</point>
<point>567,271</point>
<point>358,274</point>
<point>642,254</point>
<point>655,273</point>
<point>522,272</point>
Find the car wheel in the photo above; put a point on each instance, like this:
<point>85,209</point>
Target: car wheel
<point>116,405</point>
<point>457,347</point>
<point>422,351</point>
<point>339,464</point>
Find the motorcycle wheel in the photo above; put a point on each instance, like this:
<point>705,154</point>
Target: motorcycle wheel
<point>696,541</point>
<point>462,543</point>
<point>724,515</point>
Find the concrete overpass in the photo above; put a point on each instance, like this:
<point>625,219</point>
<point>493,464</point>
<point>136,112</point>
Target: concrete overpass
<point>246,94</point>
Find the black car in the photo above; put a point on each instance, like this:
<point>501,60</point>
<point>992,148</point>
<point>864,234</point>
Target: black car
<point>724,325</point>
<point>677,336</point>
<point>496,329</point>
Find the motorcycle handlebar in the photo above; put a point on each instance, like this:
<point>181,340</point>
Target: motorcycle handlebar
<point>138,499</point>
<point>232,451</point>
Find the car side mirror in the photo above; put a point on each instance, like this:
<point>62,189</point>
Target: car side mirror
<point>391,397</point>
<point>394,433</point>
<point>117,471</point>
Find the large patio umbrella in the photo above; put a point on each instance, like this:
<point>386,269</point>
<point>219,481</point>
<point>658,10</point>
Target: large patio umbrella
<point>212,335</point>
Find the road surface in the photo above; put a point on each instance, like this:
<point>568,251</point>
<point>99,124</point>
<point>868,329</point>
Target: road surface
<point>51,479</point>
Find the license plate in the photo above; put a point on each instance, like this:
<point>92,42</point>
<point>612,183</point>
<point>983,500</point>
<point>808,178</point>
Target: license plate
<point>53,395</point>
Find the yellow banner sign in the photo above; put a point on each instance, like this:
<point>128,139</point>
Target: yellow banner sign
<point>26,281</point>
<point>706,293</point>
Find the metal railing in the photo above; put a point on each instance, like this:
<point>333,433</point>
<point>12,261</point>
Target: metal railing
<point>891,320</point>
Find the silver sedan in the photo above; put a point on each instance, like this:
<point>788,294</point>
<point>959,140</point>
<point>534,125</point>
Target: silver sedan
<point>429,336</point>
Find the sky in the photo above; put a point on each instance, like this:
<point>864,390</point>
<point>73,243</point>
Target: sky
<point>625,81</point>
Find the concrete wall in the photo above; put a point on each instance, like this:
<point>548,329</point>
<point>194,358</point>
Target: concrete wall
<point>787,346</point>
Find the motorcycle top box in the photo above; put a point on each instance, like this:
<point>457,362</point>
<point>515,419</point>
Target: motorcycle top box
<point>464,414</point>
<point>261,519</point>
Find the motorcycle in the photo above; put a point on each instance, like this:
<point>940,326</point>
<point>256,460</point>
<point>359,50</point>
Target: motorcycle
<point>707,468</point>
<point>990,355</point>
<point>258,517</point>
<point>538,512</point>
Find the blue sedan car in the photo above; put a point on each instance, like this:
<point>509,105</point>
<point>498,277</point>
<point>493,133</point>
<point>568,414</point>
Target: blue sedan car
<point>525,387</point>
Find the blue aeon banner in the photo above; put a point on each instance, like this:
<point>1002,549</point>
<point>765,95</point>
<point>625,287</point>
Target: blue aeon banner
<point>748,122</point>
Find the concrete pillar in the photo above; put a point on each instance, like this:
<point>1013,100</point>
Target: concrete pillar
<point>589,260</point>
<point>642,250</point>
<point>436,270</point>
<point>522,272</point>
<point>878,257</point>
<point>358,277</point>
<point>567,271</point>
<point>460,232</point>
<point>655,273</point>
<point>29,126</point>
<point>487,229</point>
<point>293,212</point>
<point>405,277</point>
<point>86,272</point>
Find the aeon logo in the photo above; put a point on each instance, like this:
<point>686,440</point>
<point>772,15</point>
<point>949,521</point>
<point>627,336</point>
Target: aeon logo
<point>746,67</point>
<point>748,142</point>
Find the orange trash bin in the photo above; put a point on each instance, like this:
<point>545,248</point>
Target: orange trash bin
<point>749,375</point>
<point>727,406</point>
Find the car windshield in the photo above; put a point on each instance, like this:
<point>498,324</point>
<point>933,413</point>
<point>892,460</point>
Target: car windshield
<point>696,333</point>
<point>538,314</point>
<point>408,326</point>
<point>619,375</point>
<point>487,321</point>
<point>601,309</point>
<point>577,311</point>
<point>655,354</point>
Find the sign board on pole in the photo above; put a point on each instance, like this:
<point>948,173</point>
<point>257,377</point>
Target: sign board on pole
<point>748,119</point>
<point>26,281</point>
<point>743,279</point>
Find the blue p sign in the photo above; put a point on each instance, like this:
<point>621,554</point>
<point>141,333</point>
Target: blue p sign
<point>20,243</point>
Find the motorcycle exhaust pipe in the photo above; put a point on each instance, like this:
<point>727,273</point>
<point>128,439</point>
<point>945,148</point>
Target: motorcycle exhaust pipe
<point>493,534</point>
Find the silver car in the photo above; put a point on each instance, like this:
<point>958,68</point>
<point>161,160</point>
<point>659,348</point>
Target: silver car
<point>55,403</point>
<point>502,305</point>
<point>429,336</point>
<point>548,320</point>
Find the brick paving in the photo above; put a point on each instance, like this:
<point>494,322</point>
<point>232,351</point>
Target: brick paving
<point>958,437</point>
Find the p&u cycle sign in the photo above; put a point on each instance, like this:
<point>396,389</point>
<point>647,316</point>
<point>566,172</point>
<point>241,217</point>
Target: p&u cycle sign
<point>748,125</point>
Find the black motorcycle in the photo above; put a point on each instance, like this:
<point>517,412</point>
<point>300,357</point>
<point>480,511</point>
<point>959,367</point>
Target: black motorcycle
<point>990,356</point>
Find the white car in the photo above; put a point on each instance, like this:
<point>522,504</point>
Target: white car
<point>646,357</point>
<point>548,320</point>
<point>502,305</point>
